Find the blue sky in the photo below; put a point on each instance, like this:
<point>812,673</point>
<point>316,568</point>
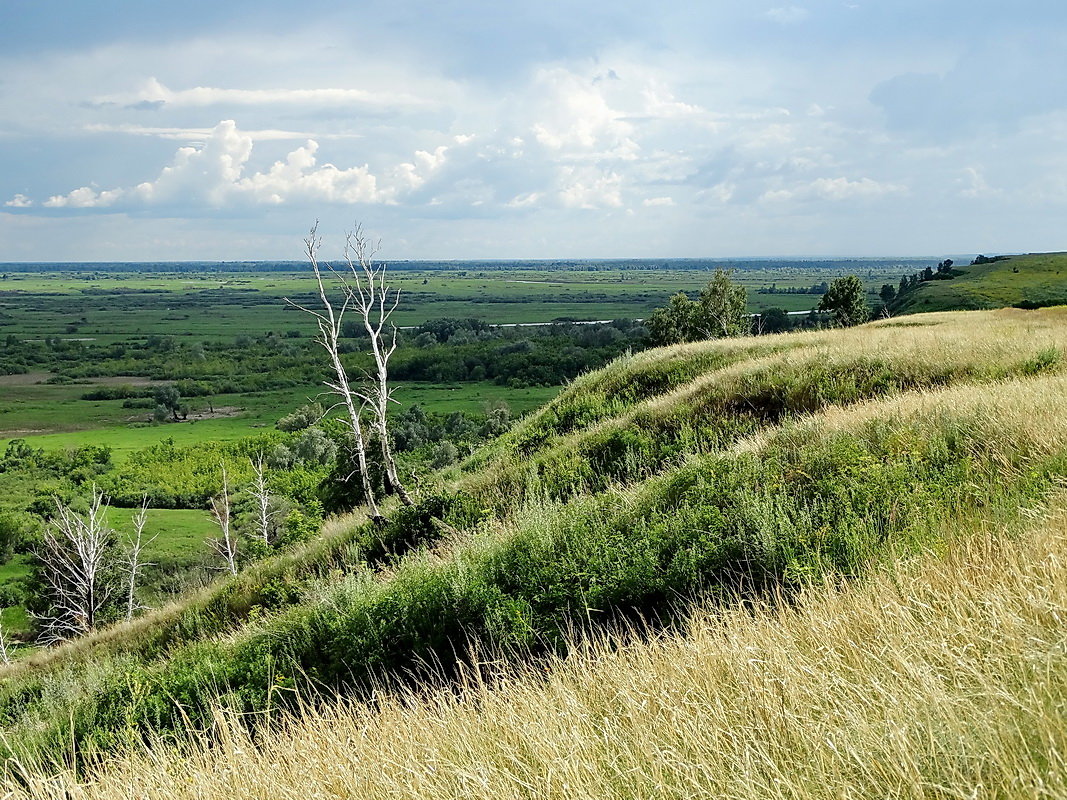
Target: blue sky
<point>223,130</point>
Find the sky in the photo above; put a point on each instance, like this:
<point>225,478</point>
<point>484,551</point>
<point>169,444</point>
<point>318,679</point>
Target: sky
<point>532,128</point>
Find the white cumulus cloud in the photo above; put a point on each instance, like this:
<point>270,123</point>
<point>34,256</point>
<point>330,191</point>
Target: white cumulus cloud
<point>586,187</point>
<point>214,174</point>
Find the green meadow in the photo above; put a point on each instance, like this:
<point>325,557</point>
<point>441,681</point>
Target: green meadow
<point>108,308</point>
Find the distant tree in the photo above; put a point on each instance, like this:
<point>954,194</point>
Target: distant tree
<point>265,511</point>
<point>169,399</point>
<point>5,647</point>
<point>775,320</point>
<point>444,453</point>
<point>888,293</point>
<point>303,417</point>
<point>676,322</point>
<point>77,560</point>
<point>846,301</point>
<point>221,512</point>
<point>720,311</point>
<point>133,561</point>
<point>928,274</point>
<point>722,307</point>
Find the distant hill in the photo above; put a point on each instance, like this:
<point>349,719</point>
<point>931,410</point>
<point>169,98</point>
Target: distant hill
<point>1035,280</point>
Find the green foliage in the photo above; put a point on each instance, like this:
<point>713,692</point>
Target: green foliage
<point>1036,280</point>
<point>303,417</point>
<point>720,311</point>
<point>722,307</point>
<point>174,476</point>
<point>676,322</point>
<point>846,301</point>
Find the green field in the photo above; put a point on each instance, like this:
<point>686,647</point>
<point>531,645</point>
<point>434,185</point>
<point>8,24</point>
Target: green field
<point>250,360</point>
<point>52,416</point>
<point>102,308</point>
<point>217,305</point>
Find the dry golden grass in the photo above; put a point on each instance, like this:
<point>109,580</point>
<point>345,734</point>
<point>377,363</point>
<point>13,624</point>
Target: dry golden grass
<point>945,678</point>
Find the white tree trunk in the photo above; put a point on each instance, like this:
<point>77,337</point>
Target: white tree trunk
<point>329,324</point>
<point>74,555</point>
<point>134,564</point>
<point>226,544</point>
<point>261,494</point>
<point>368,291</point>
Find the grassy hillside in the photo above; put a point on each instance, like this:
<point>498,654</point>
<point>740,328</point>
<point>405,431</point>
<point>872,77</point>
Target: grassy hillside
<point>944,677</point>
<point>1036,280</point>
<point>745,468</point>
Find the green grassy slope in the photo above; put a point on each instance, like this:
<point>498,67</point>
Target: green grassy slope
<point>1036,280</point>
<point>747,464</point>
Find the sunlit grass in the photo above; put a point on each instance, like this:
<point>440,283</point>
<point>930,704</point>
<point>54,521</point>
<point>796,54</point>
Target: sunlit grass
<point>943,677</point>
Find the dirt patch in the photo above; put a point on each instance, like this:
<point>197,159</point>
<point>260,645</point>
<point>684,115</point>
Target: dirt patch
<point>18,434</point>
<point>24,379</point>
<point>121,380</point>
<point>220,412</point>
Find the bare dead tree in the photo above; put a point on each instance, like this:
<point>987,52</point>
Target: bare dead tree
<point>226,544</point>
<point>329,321</point>
<point>132,557</point>
<point>5,647</point>
<point>367,290</point>
<point>265,515</point>
<point>74,556</point>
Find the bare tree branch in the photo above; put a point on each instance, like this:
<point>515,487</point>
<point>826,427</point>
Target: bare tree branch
<point>74,555</point>
<point>226,544</point>
<point>132,561</point>
<point>265,515</point>
<point>329,325</point>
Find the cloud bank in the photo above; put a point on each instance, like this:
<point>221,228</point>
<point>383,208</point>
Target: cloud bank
<point>473,129</point>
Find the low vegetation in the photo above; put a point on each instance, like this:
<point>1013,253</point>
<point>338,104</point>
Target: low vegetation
<point>938,678</point>
<point>724,469</point>
<point>1036,280</point>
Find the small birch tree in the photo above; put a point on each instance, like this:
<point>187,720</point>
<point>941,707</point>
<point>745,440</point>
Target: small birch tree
<point>132,560</point>
<point>226,544</point>
<point>265,514</point>
<point>329,321</point>
<point>75,554</point>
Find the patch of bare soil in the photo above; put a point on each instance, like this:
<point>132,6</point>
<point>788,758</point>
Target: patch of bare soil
<point>24,378</point>
<point>219,412</point>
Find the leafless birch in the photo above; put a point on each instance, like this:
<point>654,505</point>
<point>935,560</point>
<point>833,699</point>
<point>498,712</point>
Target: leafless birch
<point>329,324</point>
<point>226,544</point>
<point>133,563</point>
<point>5,647</point>
<point>261,494</point>
<point>366,289</point>
<point>74,555</point>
